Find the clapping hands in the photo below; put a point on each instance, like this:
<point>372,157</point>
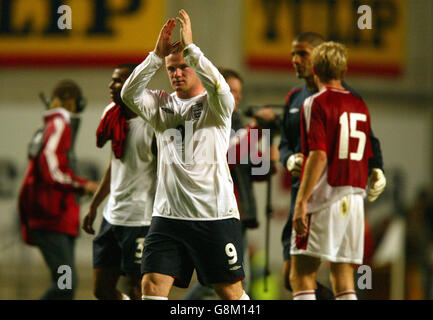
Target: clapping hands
<point>164,45</point>
<point>185,28</point>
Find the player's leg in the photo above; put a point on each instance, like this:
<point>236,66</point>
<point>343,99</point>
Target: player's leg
<point>225,290</point>
<point>343,282</point>
<point>286,275</point>
<point>247,280</point>
<point>105,282</point>
<point>131,242</point>
<point>57,250</point>
<point>322,292</point>
<point>106,263</point>
<point>217,253</point>
<point>133,283</point>
<point>348,219</point>
<point>303,273</point>
<point>156,286</point>
<point>165,261</point>
<point>231,291</point>
<point>286,241</point>
<point>303,261</point>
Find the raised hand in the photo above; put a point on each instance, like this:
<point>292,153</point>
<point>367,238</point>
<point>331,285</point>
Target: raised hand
<point>185,28</point>
<point>164,46</point>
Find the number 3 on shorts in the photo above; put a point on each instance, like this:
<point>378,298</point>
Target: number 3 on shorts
<point>231,253</point>
<point>140,246</point>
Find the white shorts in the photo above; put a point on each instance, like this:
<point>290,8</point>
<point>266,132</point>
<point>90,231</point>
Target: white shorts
<point>335,233</point>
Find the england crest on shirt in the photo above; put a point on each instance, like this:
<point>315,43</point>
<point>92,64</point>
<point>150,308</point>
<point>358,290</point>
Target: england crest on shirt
<point>196,111</point>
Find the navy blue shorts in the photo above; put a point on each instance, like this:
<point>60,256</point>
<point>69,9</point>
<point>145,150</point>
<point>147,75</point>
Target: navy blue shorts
<point>119,247</point>
<point>287,231</point>
<point>176,247</point>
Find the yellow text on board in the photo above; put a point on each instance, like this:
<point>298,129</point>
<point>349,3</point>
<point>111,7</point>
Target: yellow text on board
<point>103,27</point>
<point>271,25</point>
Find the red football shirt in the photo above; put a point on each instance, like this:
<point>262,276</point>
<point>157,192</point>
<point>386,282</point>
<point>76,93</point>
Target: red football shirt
<point>337,122</point>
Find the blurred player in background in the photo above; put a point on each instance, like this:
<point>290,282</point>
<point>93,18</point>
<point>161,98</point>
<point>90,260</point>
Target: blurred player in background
<point>241,174</point>
<point>329,209</point>
<point>130,180</point>
<point>48,207</point>
<point>195,222</point>
<point>290,146</point>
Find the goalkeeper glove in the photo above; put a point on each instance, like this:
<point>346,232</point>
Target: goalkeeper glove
<point>294,164</point>
<point>376,184</point>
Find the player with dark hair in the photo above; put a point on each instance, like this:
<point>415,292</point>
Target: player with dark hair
<point>49,211</point>
<point>314,39</point>
<point>290,146</point>
<point>130,182</point>
<point>329,212</point>
<point>195,221</point>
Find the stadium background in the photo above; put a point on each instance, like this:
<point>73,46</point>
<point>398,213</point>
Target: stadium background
<point>391,65</point>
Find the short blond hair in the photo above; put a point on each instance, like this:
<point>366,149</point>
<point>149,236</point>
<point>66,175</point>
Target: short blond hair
<point>330,61</point>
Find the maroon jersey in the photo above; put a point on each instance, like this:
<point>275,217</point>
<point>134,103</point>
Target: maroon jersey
<point>337,122</point>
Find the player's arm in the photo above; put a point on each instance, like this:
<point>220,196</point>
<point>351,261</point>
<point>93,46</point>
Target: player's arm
<point>291,160</point>
<point>377,180</point>
<point>284,147</point>
<point>314,166</point>
<point>135,94</point>
<point>99,196</point>
<point>221,100</point>
<point>313,137</point>
<point>376,161</point>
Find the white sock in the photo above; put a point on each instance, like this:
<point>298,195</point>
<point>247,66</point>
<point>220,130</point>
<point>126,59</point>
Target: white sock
<point>305,295</point>
<point>143,297</point>
<point>346,295</point>
<point>125,297</point>
<point>244,296</point>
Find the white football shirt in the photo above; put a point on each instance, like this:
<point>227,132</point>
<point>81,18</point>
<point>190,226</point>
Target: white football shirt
<point>133,178</point>
<point>194,181</point>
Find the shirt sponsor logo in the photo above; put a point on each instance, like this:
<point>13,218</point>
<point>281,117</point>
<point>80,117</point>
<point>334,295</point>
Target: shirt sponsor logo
<point>294,110</point>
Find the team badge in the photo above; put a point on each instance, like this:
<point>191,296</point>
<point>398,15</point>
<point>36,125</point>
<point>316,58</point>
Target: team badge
<point>344,207</point>
<point>196,111</point>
